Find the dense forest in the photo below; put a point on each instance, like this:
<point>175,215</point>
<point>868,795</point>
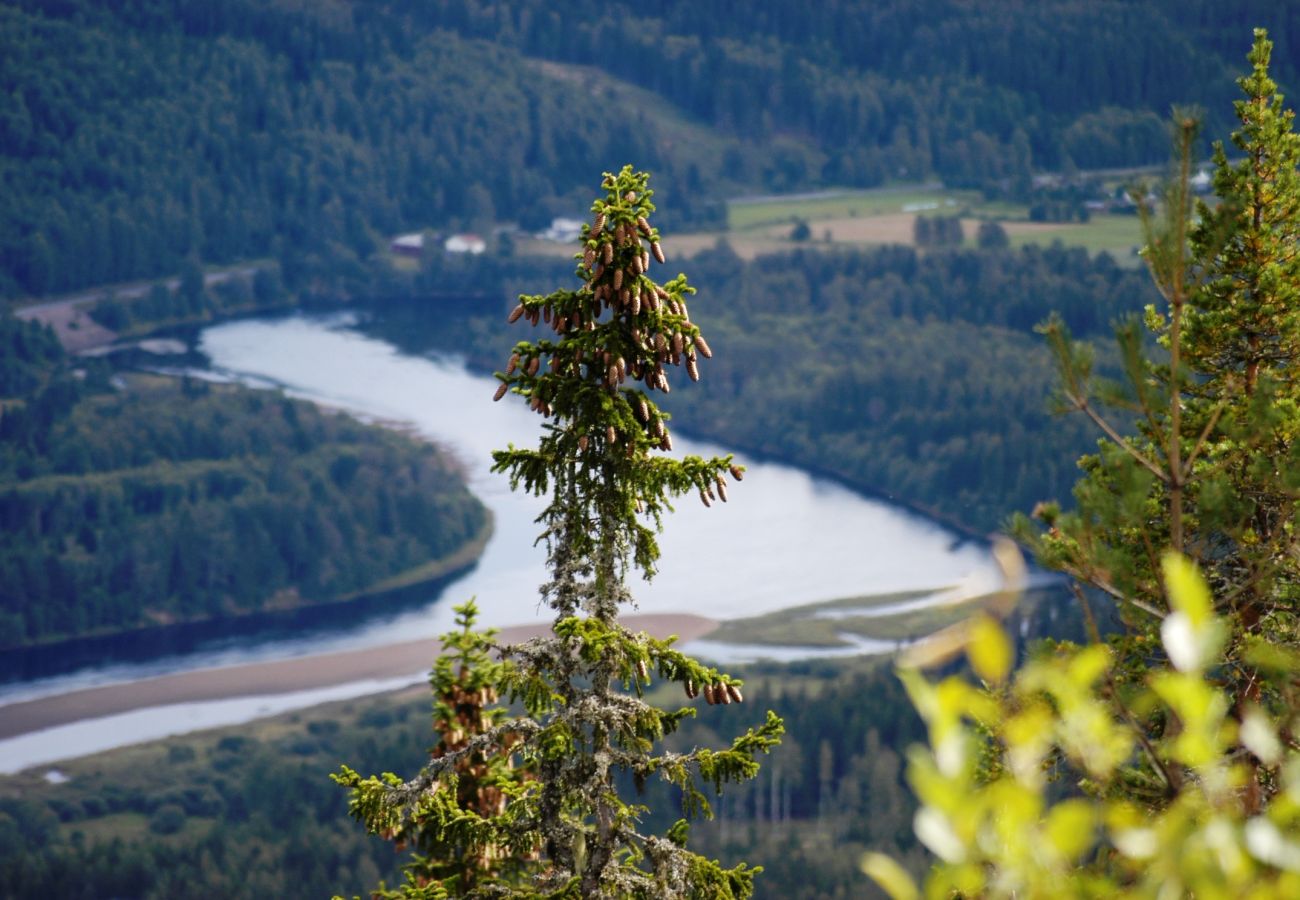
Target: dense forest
<point>135,137</point>
<point>142,500</point>
<point>917,376</point>
<point>249,812</point>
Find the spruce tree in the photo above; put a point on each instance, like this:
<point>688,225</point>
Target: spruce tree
<point>586,731</point>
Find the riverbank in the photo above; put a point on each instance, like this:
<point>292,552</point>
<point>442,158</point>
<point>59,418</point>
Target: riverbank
<point>408,658</point>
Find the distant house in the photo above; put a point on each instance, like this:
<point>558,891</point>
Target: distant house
<point>465,243</point>
<point>562,231</point>
<point>408,245</point>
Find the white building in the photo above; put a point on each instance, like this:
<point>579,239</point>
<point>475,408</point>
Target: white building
<point>562,231</point>
<point>408,244</point>
<point>465,243</point>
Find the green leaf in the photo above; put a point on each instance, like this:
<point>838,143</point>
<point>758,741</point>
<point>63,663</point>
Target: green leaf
<point>989,649</point>
<point>892,878</point>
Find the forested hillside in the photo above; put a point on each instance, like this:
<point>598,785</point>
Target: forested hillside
<point>917,376</point>
<point>910,87</point>
<point>158,501</point>
<point>137,136</point>
<point>248,812</point>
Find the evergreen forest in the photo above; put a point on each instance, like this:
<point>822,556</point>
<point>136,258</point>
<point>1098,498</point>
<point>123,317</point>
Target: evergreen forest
<point>137,136</point>
<point>135,501</point>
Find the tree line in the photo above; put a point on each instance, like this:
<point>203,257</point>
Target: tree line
<point>143,136</point>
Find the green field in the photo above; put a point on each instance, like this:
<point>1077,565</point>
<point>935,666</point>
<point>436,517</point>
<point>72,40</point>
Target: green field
<point>763,222</point>
<point>1120,236</point>
<point>743,215</point>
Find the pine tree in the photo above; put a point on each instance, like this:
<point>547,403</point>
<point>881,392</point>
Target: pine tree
<point>1214,468</point>
<point>1176,737</point>
<point>587,729</point>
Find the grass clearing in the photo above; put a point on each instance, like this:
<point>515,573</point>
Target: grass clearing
<point>1120,236</point>
<point>744,215</point>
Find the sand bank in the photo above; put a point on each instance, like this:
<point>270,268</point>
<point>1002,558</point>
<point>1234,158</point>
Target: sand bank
<point>281,676</point>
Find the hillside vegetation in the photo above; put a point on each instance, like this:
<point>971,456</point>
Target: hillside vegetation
<point>138,136</point>
<point>247,812</point>
<point>158,501</point>
<point>916,376</point>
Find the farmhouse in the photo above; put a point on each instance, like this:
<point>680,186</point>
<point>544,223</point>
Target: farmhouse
<point>465,243</point>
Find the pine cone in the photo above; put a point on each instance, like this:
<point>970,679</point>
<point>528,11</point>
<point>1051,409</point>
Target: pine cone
<point>513,364</point>
<point>642,671</point>
<point>691,692</point>
<point>658,251</point>
<point>692,370</point>
<point>532,366</point>
<point>610,434</point>
<point>515,314</point>
<point>703,347</point>
<point>598,223</point>
<point>722,487</point>
<point>607,252</point>
<point>618,278</point>
<point>734,693</point>
<point>582,443</point>
<point>738,473</point>
<point>501,391</point>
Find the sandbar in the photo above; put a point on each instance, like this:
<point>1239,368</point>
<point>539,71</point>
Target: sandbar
<point>283,676</point>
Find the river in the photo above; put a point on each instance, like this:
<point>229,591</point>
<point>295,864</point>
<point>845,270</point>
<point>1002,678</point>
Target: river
<point>785,539</point>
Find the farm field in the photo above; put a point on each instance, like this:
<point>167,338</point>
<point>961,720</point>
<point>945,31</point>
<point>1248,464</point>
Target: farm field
<point>858,218</point>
